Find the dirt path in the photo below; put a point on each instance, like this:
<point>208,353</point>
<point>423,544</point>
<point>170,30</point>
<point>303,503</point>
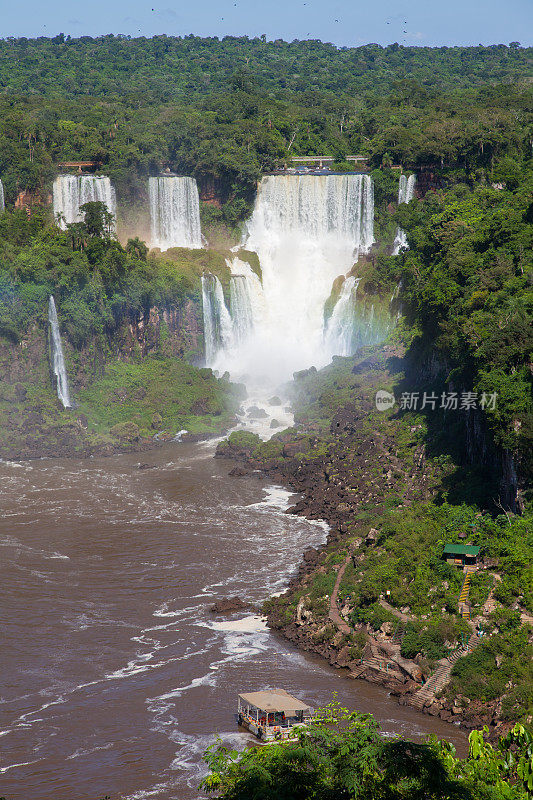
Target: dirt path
<point>334,615</point>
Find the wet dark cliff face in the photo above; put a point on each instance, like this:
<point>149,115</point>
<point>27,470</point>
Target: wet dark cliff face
<point>32,423</point>
<point>481,449</point>
<point>173,330</point>
<point>465,433</point>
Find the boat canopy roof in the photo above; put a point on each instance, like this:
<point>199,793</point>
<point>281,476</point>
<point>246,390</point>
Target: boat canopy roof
<point>273,700</point>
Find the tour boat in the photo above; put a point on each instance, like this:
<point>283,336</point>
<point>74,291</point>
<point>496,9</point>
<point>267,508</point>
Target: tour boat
<point>272,714</point>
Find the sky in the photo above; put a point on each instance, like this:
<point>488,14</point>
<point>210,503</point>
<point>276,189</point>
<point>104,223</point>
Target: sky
<point>343,22</point>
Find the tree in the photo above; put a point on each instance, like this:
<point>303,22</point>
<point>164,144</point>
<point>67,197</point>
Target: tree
<point>98,220</point>
<point>347,758</point>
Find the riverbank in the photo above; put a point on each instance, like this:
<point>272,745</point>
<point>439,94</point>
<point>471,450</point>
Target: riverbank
<point>391,497</point>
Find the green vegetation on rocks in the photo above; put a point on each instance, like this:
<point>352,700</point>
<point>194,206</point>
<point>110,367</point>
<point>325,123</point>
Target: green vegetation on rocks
<point>130,322</point>
<point>158,396</point>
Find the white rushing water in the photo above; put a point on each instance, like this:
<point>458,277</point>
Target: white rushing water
<point>218,327</point>
<point>57,358</point>
<point>2,204</point>
<point>406,192</point>
<point>70,192</point>
<point>341,325</point>
<point>307,230</point>
<point>174,213</point>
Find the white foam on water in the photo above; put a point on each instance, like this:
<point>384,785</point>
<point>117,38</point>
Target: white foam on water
<point>276,497</point>
<point>188,758</point>
<point>163,611</point>
<point>21,764</point>
<point>80,752</point>
<point>204,680</point>
<point>253,624</point>
<point>155,791</point>
<point>16,544</point>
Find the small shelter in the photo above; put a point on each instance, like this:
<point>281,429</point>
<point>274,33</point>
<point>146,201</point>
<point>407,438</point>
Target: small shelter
<point>461,555</point>
<point>272,713</point>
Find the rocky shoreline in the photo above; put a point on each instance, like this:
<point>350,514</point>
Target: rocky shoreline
<point>381,654</point>
<point>344,472</point>
<point>36,451</point>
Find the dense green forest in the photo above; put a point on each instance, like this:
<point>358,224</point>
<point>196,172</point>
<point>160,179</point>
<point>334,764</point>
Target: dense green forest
<point>168,68</point>
<point>227,111</point>
<point>467,287</point>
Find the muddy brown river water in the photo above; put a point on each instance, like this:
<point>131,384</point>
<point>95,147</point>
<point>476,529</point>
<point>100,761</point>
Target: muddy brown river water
<point>114,675</point>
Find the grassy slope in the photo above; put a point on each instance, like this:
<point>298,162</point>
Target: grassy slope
<point>159,395</point>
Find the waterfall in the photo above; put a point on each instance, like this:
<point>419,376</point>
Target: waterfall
<point>57,358</point>
<point>368,214</point>
<point>306,231</point>
<point>72,191</point>
<point>247,301</point>
<point>340,328</point>
<point>174,213</point>
<point>241,308</point>
<point>355,323</point>
<point>406,191</point>
<point>2,204</point>
<point>218,329</point>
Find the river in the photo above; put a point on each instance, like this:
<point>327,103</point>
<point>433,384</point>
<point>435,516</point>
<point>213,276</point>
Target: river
<point>115,676</point>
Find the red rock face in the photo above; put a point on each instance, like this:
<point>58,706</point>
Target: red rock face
<point>210,193</point>
<point>30,199</point>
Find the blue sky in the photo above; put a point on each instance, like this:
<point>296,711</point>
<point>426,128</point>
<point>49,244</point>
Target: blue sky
<point>344,22</point>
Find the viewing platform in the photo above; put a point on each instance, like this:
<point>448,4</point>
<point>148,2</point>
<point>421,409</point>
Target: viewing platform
<point>322,161</point>
<point>318,165</point>
<point>79,166</point>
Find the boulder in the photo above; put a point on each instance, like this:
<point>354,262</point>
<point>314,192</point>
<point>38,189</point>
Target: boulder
<point>257,413</point>
<point>228,604</point>
<point>126,431</point>
<point>157,421</point>
<point>290,449</point>
<point>240,472</point>
<point>311,555</point>
<point>371,537</point>
<point>344,658</point>
<point>200,407</point>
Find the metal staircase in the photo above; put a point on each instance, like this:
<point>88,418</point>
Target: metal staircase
<point>464,606</point>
